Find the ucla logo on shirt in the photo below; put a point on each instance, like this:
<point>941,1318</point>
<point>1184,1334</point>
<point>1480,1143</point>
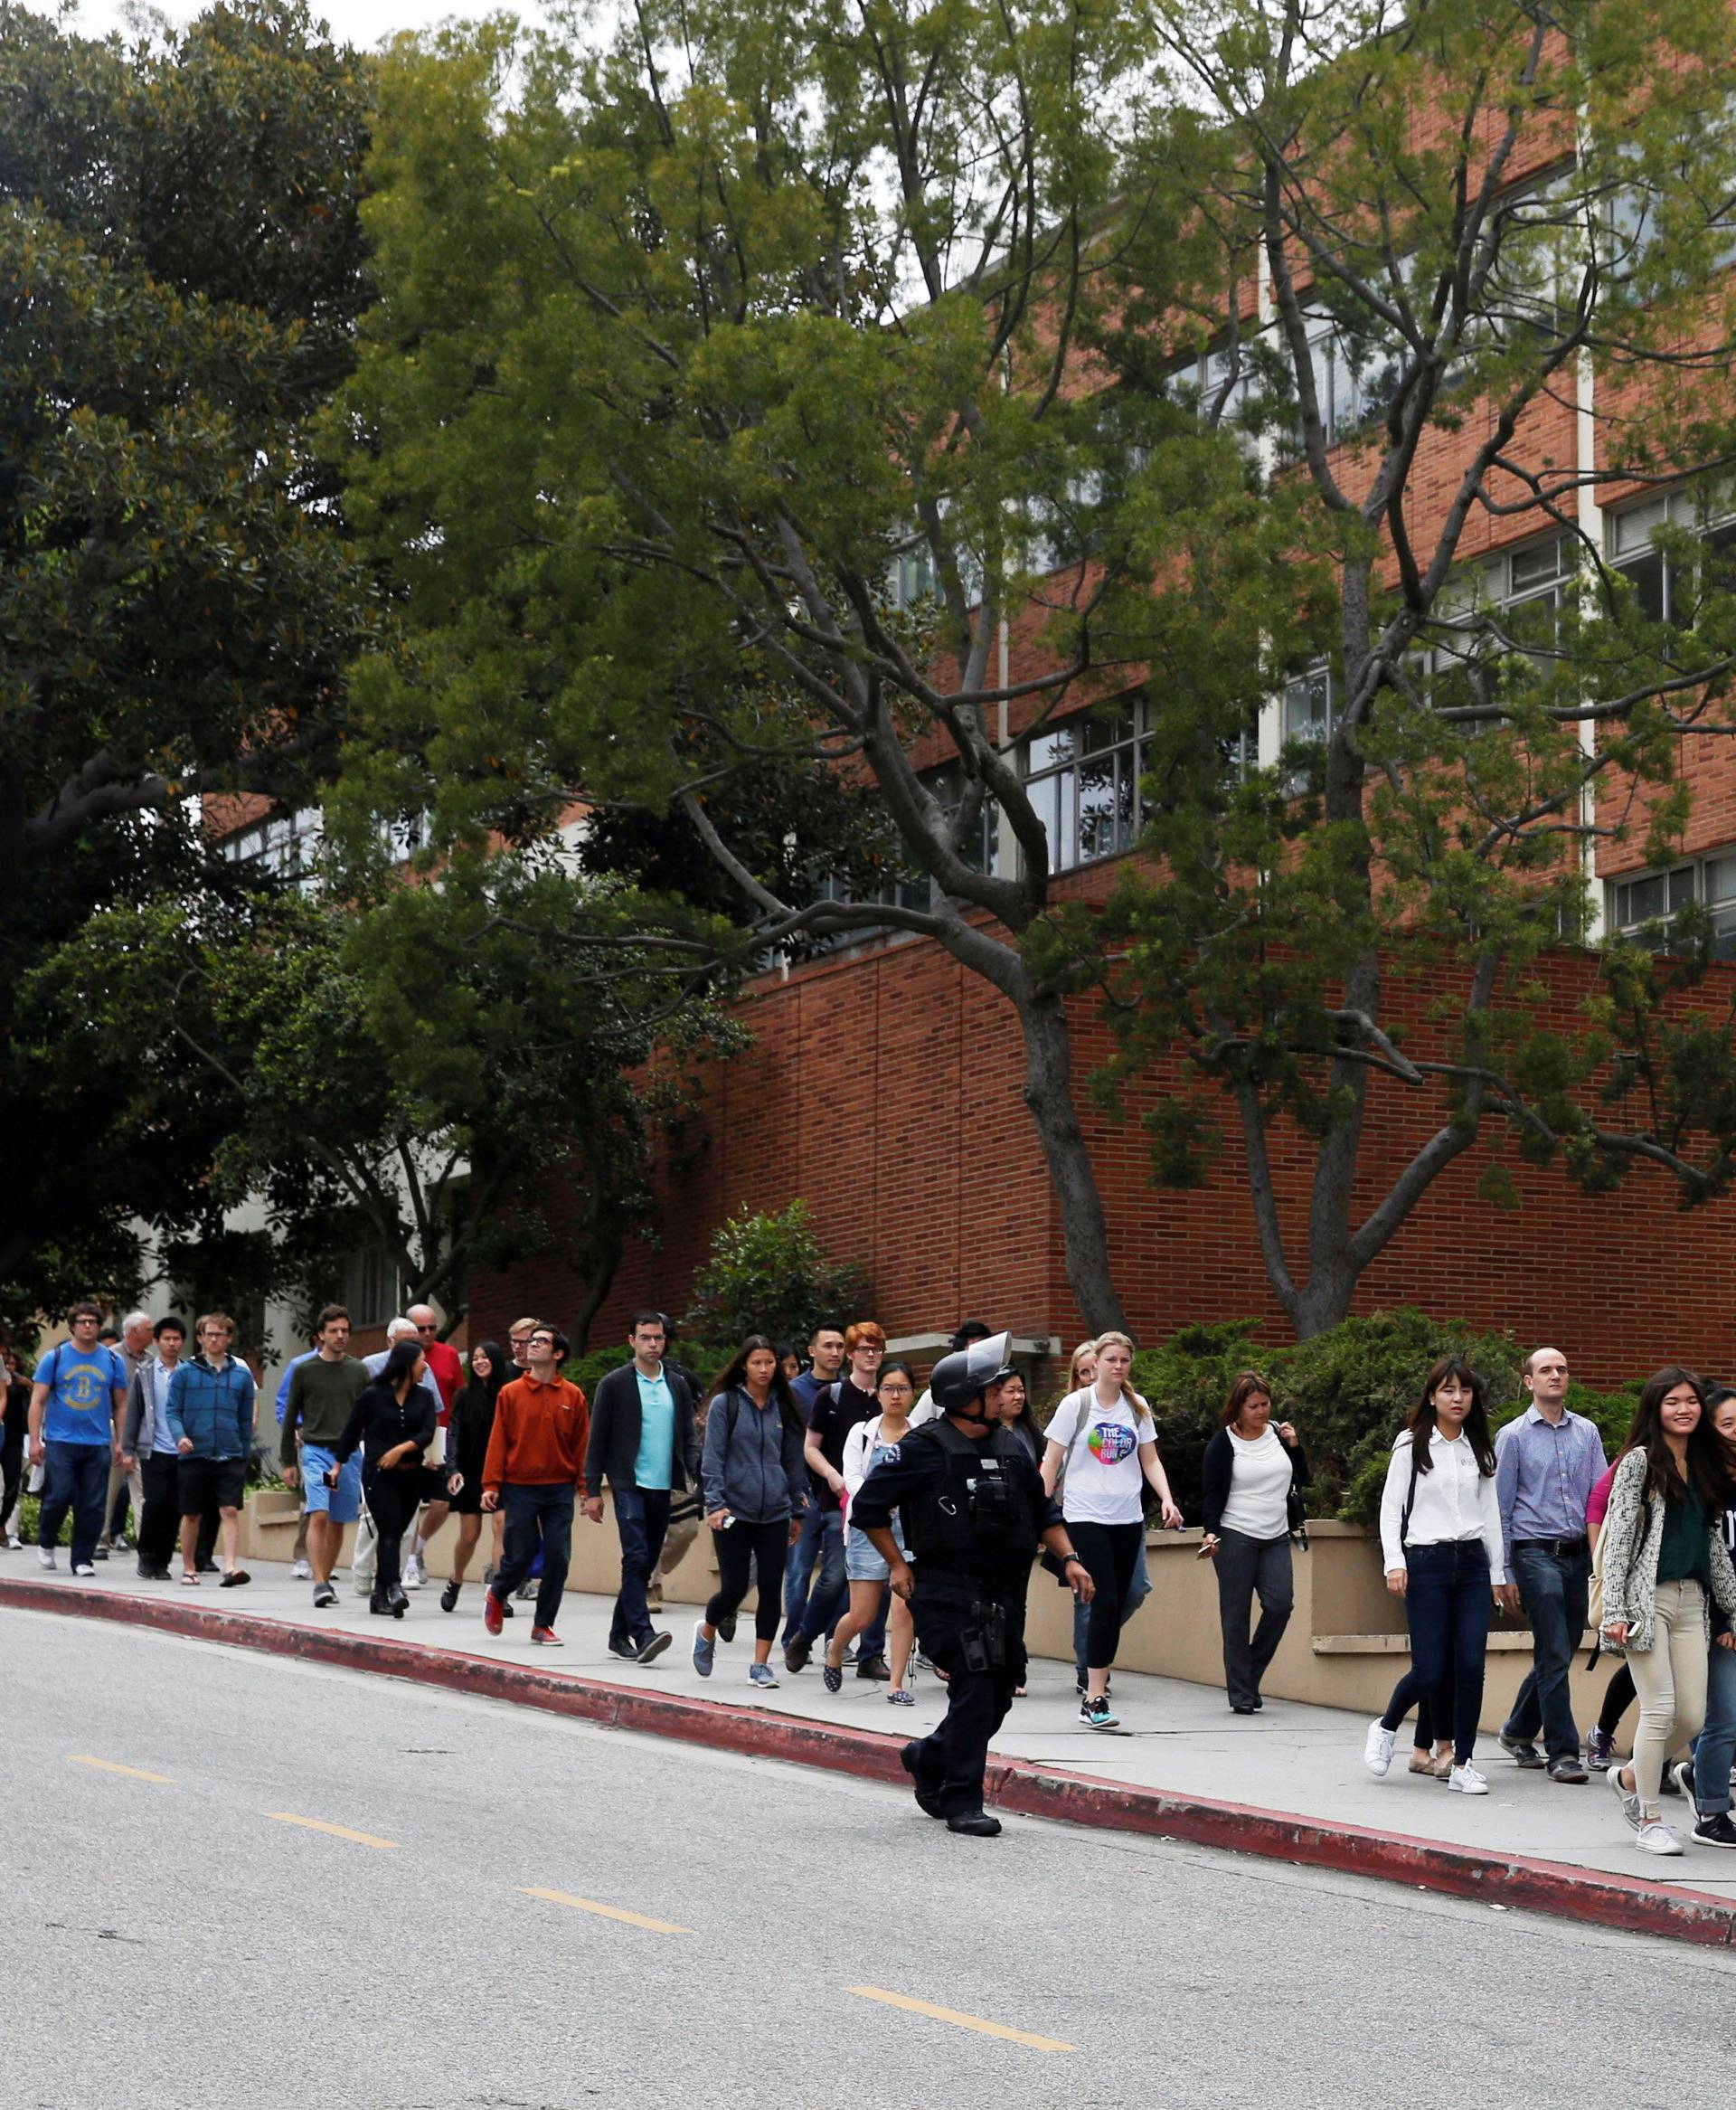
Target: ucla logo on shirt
<point>1110,1441</point>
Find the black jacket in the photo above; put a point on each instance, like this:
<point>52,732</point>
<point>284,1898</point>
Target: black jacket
<point>1218,1465</point>
<point>613,1452</point>
<point>379,1424</point>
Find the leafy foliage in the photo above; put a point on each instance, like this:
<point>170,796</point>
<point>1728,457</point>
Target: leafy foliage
<point>768,1274</point>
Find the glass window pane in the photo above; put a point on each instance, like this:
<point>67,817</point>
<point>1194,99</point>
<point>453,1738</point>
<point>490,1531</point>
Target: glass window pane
<point>1531,567</point>
<point>1108,731</point>
<point>1096,809</point>
<point>1048,750</point>
<point>1308,706</point>
<point>1720,878</point>
<point>1646,574</point>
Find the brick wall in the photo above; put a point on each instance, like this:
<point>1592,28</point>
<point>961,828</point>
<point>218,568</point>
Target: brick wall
<point>885,1089</point>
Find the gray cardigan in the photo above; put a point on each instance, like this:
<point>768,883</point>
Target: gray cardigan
<point>1629,1564</point>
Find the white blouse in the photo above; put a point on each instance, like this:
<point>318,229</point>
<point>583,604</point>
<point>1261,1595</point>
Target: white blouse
<point>1454,1501</point>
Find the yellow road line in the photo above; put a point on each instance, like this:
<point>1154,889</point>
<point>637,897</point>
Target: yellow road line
<point>108,1765</point>
<point>654,1926</point>
<point>923,2007</point>
<point>337,1830</point>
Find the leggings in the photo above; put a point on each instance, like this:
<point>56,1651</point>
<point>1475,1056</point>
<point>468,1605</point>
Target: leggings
<point>1617,1700</point>
<point>394,1499</point>
<point>12,1469</point>
<point>1110,1552</point>
<point>762,1546</point>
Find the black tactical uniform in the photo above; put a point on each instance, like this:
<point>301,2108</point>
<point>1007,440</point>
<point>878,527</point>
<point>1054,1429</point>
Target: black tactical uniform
<point>973,1510</point>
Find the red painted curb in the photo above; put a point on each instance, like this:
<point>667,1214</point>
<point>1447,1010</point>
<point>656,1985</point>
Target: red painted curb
<point>1510,1880</point>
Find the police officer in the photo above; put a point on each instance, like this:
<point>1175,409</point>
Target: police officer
<point>974,1510</point>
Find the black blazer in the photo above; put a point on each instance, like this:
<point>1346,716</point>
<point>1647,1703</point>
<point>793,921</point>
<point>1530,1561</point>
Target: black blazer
<point>613,1451</point>
<point>1218,1465</point>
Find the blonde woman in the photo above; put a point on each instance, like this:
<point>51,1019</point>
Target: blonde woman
<point>1104,1439</point>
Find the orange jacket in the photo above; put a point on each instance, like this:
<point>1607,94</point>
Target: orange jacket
<point>539,1436</point>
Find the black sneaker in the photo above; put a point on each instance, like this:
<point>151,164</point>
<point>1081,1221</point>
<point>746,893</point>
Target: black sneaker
<point>726,1628</point>
<point>652,1646</point>
<point>974,1824</point>
<point>1522,1752</point>
<point>1567,1768</point>
<point>629,1651</point>
<point>1716,1830</point>
<point>323,1594</point>
<point>449,1596</point>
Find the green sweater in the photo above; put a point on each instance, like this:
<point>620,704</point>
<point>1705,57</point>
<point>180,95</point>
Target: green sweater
<point>1685,1555</point>
<point>321,1395</point>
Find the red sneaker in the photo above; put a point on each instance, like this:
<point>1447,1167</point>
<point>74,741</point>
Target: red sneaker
<point>493,1618</point>
<point>545,1637</point>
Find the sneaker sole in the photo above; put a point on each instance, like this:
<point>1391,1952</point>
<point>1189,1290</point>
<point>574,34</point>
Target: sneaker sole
<point>654,1648</point>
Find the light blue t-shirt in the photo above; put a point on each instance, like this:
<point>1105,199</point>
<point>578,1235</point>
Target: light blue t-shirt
<point>283,1389</point>
<point>652,1466</point>
<point>82,1384</point>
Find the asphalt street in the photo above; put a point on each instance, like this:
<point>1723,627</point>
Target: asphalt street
<point>251,1884</point>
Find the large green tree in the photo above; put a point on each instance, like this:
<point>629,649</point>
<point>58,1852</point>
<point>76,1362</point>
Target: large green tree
<point>180,268</point>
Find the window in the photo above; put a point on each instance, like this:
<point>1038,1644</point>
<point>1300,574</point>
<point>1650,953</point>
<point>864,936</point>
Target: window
<point>1660,579</point>
<point>283,846</point>
<point>372,1287</point>
<point>1649,903</point>
<point>1310,704</point>
<point>1082,778</point>
<point>1526,590</point>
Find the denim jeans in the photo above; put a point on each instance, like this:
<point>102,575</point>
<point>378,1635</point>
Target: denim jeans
<point>539,1518</point>
<point>75,1477</point>
<point>798,1568</point>
<point>830,1593</point>
<point>1448,1603</point>
<point>1139,1590</point>
<point>1554,1587</point>
<point>1716,1748</point>
<point>642,1519</point>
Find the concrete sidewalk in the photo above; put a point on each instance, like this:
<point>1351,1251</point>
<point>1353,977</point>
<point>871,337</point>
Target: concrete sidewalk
<point>1179,1748</point>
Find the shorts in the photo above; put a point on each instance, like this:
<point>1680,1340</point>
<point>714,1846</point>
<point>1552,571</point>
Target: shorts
<point>467,1502</point>
<point>431,1484</point>
<point>862,1564</point>
<point>342,1503</point>
<point>201,1483</point>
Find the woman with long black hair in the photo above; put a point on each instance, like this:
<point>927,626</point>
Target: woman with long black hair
<point>755,1482</point>
<point>468,1431</point>
<point>393,1420</point>
<point>1663,1561</point>
<point>1440,1538</point>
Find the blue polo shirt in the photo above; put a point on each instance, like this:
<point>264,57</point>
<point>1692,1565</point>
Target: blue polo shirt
<point>654,1466</point>
<point>82,1386</point>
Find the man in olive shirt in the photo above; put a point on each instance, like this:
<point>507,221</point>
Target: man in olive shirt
<point>322,1391</point>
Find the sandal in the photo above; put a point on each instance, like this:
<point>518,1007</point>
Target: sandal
<point>189,1581</point>
<point>234,1579</point>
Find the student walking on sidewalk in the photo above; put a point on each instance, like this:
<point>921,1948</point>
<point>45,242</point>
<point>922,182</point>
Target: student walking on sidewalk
<point>1664,1561</point>
<point>467,1433</point>
<point>868,1444</point>
<point>1441,1538</point>
<point>754,1477</point>
<point>1246,1477</point>
<point>1708,1778</point>
<point>393,1421</point>
<point>534,1468</point>
<point>1107,1444</point>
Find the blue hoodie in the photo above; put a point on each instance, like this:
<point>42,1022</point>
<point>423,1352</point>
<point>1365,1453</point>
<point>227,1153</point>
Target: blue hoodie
<point>214,1407</point>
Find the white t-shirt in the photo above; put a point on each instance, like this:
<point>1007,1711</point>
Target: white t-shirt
<point>1103,1473</point>
<point>1259,1486</point>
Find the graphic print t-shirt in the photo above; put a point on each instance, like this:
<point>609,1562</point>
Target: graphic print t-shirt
<point>81,1385</point>
<point>1101,1444</point>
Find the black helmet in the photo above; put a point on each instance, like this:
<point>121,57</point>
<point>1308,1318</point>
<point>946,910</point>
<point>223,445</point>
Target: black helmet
<point>960,1377</point>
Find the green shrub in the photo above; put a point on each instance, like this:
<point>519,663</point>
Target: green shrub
<point>1348,1392</point>
<point>771,1274</point>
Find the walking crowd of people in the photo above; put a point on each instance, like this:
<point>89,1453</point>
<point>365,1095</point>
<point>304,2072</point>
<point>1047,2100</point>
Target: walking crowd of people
<point>779,1454</point>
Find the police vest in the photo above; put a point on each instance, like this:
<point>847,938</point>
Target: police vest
<point>980,1514</point>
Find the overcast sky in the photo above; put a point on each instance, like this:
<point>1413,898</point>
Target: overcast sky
<point>356,22</point>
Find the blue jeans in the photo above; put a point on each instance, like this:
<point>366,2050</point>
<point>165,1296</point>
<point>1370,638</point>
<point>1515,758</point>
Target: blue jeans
<point>1447,1602</point>
<point>642,1519</point>
<point>539,1518</point>
<point>1139,1590</point>
<point>831,1592</point>
<point>798,1568</point>
<point>1554,1587</point>
<point>1715,1746</point>
<point>75,1476</point>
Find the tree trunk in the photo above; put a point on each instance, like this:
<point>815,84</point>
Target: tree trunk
<point>1049,1094</point>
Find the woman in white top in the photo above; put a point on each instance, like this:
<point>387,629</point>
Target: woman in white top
<point>863,1448</point>
<point>1440,1538</point>
<point>1246,1476</point>
<point>1107,1443</point>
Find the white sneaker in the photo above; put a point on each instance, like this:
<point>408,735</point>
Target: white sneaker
<point>1377,1749</point>
<point>45,1554</point>
<point>1655,1837</point>
<point>1465,1780</point>
<point>302,1570</point>
<point>16,1545</point>
<point>413,1577</point>
<point>1627,1797</point>
<point>84,1567</point>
